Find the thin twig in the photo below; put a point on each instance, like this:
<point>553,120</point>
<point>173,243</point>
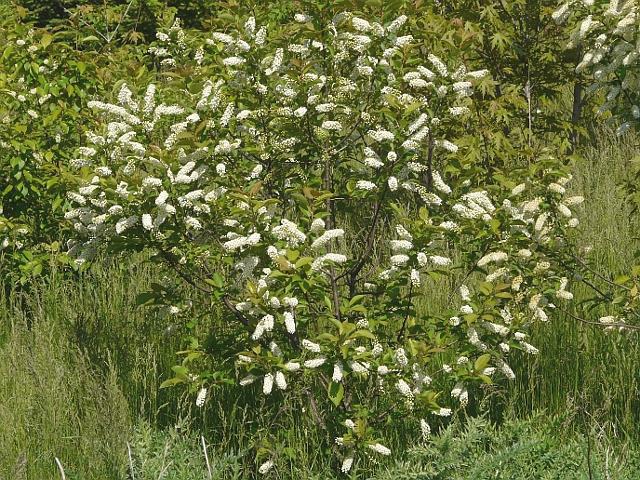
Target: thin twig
<point>467,275</point>
<point>623,325</point>
<point>87,25</point>
<point>126,12</point>
<point>598,274</point>
<point>406,314</point>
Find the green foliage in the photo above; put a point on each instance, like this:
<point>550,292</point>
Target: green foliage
<point>179,455</point>
<point>44,86</point>
<point>518,450</point>
<point>88,335</point>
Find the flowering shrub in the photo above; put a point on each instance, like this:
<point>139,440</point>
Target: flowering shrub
<point>43,87</point>
<point>606,33</point>
<point>310,183</point>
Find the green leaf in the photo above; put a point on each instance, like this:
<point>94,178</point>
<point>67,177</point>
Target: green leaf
<point>46,40</point>
<point>356,299</point>
<point>336,392</point>
<point>363,333</point>
<point>170,382</point>
<point>622,279</point>
<point>145,298</point>
<point>482,362</point>
<point>216,280</point>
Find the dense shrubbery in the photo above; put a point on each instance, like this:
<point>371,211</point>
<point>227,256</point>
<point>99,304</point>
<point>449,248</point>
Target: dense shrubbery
<point>253,189</point>
<point>309,183</point>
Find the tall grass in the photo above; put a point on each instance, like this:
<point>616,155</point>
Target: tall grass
<point>80,363</point>
<point>581,368</point>
<point>55,403</point>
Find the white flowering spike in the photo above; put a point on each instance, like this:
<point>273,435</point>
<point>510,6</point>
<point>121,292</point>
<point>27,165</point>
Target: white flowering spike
<point>425,429</point>
<point>267,384</point>
<point>380,449</point>
<point>290,322</point>
<point>202,396</point>
<point>347,463</point>
<point>338,372</point>
<point>280,380</point>
<point>265,467</point>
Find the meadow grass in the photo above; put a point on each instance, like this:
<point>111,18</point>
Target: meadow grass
<point>581,367</point>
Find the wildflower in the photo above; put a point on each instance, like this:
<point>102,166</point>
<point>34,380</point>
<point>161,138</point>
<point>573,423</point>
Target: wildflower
<point>193,223</point>
<point>338,372</point>
<point>404,388</point>
<point>267,386</point>
<point>494,257</point>
<point>438,64</point>
<point>439,260</point>
<point>289,322</point>
<point>439,184</point>
<point>311,346</point>
<point>315,362</point>
<point>379,448</point>
<point>447,145</point>
<point>331,125</point>
<point>401,357</point>
<point>399,259</point>
<point>281,382</point>
<point>562,293</point>
<point>415,277</point>
<point>365,185</point>
<point>576,200</point>
<point>346,465</point>
<point>556,188</point>
<point>443,412</point>
<point>202,396</point>
<point>319,262</point>
<point>466,310</point>
<point>401,245</point>
<point>276,63</point>
<point>289,232</point>
<point>425,429</point>
<point>292,366</point>
<point>465,293</point>
<point>233,61</point>
<point>394,26</point>
<point>505,369</point>
<point>326,237</point>
<point>448,225</point>
<point>381,135</point>
<point>530,349</point>
<point>265,467</point>
<point>317,225</point>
